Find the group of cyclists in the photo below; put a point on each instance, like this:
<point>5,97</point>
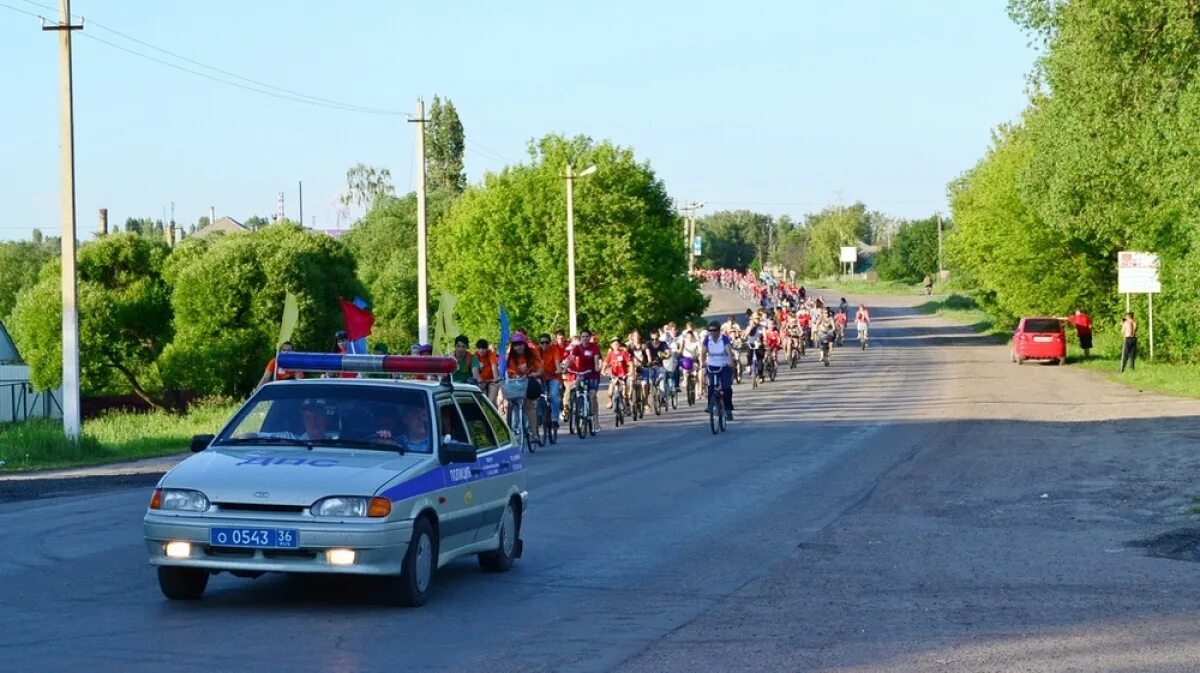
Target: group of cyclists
<point>554,378</point>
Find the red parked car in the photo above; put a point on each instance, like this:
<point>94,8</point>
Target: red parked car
<point>1039,339</point>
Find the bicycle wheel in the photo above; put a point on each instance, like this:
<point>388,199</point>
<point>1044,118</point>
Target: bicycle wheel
<point>655,401</point>
<point>721,415</point>
<point>864,343</point>
<point>619,411</point>
<point>580,421</point>
<point>674,398</point>
<point>691,390</point>
<point>571,414</point>
<point>714,414</point>
<point>639,409</point>
<point>772,369</point>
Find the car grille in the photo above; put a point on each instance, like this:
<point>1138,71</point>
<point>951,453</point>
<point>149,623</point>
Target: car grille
<point>241,552</point>
<point>258,507</point>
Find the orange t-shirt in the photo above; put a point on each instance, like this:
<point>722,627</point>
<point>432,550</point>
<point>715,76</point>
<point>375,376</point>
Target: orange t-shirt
<point>487,365</point>
<point>532,360</point>
<point>552,358</point>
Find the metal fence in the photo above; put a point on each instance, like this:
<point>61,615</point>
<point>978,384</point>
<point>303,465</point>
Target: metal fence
<point>19,402</point>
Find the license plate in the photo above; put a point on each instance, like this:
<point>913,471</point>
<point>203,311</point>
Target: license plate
<point>1043,340</point>
<point>261,538</point>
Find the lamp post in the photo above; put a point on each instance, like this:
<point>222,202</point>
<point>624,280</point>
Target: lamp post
<point>689,231</point>
<point>571,177</point>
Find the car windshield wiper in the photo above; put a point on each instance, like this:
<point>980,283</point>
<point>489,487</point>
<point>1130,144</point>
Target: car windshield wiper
<point>364,444</point>
<point>279,441</point>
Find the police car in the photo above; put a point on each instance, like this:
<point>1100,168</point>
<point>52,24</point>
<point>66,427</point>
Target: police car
<point>359,476</point>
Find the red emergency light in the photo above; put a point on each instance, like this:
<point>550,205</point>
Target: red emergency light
<point>367,364</point>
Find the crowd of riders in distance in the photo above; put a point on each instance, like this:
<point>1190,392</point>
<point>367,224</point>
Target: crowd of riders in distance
<point>650,375</point>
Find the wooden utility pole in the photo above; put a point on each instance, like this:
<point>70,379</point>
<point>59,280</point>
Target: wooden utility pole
<point>70,309</point>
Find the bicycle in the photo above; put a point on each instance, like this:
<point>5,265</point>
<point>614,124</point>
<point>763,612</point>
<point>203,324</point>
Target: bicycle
<point>545,420</point>
<point>581,410</point>
<point>514,393</point>
<point>653,392</point>
<point>772,364</point>
<point>690,385</point>
<point>618,401</point>
<point>639,399</point>
<point>716,401</point>
<point>794,354</point>
<point>864,334</point>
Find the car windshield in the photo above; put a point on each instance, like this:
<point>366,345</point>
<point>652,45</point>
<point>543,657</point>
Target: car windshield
<point>388,418</point>
<point>1042,325</point>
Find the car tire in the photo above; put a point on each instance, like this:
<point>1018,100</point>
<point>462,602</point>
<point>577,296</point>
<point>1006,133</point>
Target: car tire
<point>182,584</point>
<point>411,589</point>
<point>501,559</point>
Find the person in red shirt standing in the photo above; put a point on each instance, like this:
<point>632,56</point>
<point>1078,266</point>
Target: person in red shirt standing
<point>583,360</point>
<point>1083,327</point>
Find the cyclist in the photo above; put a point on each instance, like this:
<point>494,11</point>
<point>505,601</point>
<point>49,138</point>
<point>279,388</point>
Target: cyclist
<point>731,328</point>
<point>583,360</point>
<point>839,323</point>
<point>792,335</point>
<point>643,365</point>
<point>660,352</point>
<point>716,353</point>
<point>862,323</point>
<point>525,362</point>
<point>617,363</point>
<point>689,353</point>
<point>843,306</point>
<point>553,362</point>
<point>826,332</point>
<point>773,341</point>
<point>755,334</point>
<point>486,373</point>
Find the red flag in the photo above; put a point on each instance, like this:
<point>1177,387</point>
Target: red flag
<point>358,321</point>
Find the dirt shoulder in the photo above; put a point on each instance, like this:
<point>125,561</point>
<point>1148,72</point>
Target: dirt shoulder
<point>1022,535</point>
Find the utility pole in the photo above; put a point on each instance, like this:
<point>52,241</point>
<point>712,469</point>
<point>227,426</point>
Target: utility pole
<point>689,228</point>
<point>70,309</point>
<point>422,271</point>
<point>301,204</point>
<point>939,223</point>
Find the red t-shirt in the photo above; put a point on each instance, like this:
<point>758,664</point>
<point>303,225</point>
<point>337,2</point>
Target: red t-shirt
<point>1082,323</point>
<point>804,319</point>
<point>617,363</point>
<point>585,358</point>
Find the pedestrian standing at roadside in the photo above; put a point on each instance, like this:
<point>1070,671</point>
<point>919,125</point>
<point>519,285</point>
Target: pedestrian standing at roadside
<point>1129,345</point>
<point>1083,327</point>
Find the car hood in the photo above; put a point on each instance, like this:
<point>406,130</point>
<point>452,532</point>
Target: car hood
<point>287,476</point>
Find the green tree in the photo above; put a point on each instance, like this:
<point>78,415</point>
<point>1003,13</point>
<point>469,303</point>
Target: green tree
<point>913,253</point>
<point>444,151</point>
<point>20,262</point>
<point>829,230</point>
<point>365,185</point>
<point>505,242</point>
<point>228,301</point>
<point>124,318</point>
<point>254,222</point>
<point>731,238</point>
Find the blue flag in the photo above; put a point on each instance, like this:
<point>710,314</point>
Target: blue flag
<point>503,343</point>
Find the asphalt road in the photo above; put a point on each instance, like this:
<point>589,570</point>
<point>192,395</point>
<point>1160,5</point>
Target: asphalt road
<point>881,514</point>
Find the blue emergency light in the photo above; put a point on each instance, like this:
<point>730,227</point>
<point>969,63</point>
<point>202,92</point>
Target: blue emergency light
<point>367,364</point>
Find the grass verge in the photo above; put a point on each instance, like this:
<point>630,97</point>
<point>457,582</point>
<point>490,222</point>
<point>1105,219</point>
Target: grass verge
<point>1172,378</point>
<point>113,437</point>
<point>963,310</point>
<point>865,288</point>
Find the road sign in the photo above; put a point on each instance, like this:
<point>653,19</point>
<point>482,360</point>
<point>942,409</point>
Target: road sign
<point>849,254</point>
<point>696,246</point>
<point>1137,272</point>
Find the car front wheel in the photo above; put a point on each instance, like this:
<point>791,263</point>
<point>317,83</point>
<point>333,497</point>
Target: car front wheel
<point>411,588</point>
<point>501,560</point>
<point>182,584</point>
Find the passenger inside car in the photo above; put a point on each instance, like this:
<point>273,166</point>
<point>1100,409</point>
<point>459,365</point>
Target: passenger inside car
<point>416,435</point>
<point>315,418</point>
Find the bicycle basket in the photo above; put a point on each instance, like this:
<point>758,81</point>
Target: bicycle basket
<point>744,357</point>
<point>514,389</point>
<point>670,365</point>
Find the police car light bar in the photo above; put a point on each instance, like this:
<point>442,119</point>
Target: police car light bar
<point>390,364</point>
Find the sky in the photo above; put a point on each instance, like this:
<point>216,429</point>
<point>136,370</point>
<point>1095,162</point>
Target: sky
<point>774,106</point>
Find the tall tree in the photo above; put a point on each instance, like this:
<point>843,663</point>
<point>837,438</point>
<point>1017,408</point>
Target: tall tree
<point>365,185</point>
<point>505,242</point>
<point>445,147</point>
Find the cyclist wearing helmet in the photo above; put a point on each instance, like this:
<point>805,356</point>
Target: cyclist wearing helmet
<point>525,362</point>
<point>584,361</point>
<point>716,353</point>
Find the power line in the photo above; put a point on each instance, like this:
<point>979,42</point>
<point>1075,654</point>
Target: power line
<point>258,86</point>
<point>22,11</point>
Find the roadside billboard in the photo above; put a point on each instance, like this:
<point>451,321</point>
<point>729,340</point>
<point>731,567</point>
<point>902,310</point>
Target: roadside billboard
<point>849,254</point>
<point>1137,273</point>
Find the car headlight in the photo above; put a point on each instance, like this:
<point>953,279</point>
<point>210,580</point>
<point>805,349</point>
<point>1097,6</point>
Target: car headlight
<point>349,506</point>
<point>179,500</point>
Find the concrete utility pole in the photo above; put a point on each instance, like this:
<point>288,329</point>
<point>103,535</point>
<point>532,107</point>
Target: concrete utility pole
<point>571,177</point>
<point>940,266</point>
<point>103,222</point>
<point>689,231</point>
<point>70,309</point>
<point>301,204</point>
<point>422,269</point>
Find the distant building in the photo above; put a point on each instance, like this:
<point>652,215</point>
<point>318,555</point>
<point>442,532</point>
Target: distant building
<point>18,400</point>
<point>225,225</point>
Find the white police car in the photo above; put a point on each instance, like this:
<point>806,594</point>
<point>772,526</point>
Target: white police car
<point>362,476</point>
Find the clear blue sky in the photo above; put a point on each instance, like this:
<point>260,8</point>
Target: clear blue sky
<point>775,106</point>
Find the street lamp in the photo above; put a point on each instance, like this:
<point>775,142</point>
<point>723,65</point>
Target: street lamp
<point>689,231</point>
<point>571,177</point>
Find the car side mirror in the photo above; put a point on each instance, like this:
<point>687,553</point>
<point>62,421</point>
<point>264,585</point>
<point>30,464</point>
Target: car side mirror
<point>458,452</point>
<point>201,442</point>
